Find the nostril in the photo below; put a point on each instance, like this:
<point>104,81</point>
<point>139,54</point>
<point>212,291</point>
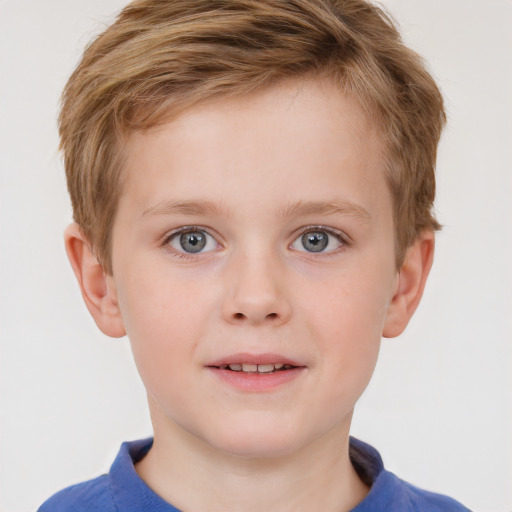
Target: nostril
<point>241,316</point>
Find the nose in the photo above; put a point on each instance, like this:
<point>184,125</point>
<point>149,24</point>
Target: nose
<point>256,292</point>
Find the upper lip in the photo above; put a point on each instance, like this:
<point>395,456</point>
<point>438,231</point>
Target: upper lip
<point>266,358</point>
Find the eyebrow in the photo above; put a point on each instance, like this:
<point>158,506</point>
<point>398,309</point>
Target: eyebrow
<point>304,208</point>
<point>185,208</point>
<point>297,209</point>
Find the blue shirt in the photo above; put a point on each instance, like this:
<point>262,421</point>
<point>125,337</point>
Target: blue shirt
<point>122,490</point>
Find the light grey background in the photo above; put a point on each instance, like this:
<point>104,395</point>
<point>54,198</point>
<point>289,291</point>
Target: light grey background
<point>439,406</point>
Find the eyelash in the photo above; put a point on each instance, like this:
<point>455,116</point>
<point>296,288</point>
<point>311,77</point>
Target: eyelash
<point>185,229</point>
<point>342,238</point>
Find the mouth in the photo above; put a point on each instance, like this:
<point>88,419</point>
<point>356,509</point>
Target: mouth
<point>255,363</point>
<point>256,373</point>
<point>256,368</point>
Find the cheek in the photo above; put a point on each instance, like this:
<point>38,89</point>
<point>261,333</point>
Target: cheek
<point>348,318</point>
<point>165,318</point>
<point>350,304</point>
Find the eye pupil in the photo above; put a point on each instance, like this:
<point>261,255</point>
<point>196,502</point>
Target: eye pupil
<point>193,241</point>
<point>315,241</point>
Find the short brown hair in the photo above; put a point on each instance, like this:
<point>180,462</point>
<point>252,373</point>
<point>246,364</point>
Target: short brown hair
<point>161,57</point>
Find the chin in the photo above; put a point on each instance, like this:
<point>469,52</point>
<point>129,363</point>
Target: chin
<point>255,441</point>
<point>259,448</point>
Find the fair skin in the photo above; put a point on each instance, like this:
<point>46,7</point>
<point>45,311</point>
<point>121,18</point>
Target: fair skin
<point>211,268</point>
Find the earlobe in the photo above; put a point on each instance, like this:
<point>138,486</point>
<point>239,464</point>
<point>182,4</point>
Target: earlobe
<point>98,288</point>
<point>411,283</point>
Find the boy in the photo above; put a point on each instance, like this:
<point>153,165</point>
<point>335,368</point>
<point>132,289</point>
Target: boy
<point>252,186</point>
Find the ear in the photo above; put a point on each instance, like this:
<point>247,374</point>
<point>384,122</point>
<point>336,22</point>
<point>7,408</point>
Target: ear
<point>98,288</point>
<point>411,283</point>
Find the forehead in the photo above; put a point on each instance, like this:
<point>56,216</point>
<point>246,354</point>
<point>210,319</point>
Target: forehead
<point>276,144</point>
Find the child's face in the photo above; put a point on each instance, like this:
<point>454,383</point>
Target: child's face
<point>211,267</point>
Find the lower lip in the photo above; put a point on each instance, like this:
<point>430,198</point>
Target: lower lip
<point>257,382</point>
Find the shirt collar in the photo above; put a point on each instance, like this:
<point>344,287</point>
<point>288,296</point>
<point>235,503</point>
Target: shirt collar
<point>129,491</point>
<point>131,494</point>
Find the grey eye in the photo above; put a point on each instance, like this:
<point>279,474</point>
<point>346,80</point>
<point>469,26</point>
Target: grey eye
<point>193,241</point>
<point>319,240</point>
<point>315,241</point>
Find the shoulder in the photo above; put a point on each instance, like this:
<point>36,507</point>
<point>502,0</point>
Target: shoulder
<point>410,498</point>
<point>84,497</point>
<point>390,493</point>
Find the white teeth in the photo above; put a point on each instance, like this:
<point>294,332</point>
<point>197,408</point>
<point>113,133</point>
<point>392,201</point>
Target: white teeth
<point>257,368</point>
<point>265,368</point>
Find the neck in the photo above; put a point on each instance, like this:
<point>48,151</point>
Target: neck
<point>192,475</point>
